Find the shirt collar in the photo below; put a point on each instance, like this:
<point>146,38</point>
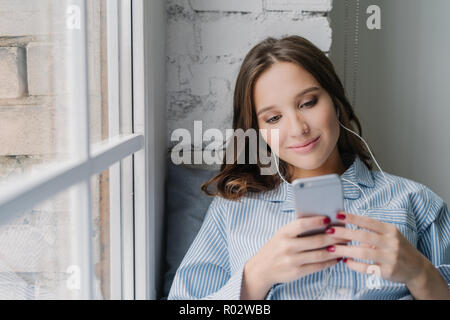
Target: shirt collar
<point>357,172</point>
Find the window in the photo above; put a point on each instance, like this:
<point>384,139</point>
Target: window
<point>75,193</point>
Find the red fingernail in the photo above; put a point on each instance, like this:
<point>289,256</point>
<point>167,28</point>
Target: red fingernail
<point>340,216</point>
<point>326,220</point>
<point>329,231</point>
<point>345,260</point>
<point>339,259</point>
<point>331,248</point>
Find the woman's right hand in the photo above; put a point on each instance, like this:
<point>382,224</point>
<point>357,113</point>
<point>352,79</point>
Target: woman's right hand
<point>287,257</point>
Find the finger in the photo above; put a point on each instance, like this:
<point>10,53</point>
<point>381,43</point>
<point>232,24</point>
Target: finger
<point>363,267</point>
<point>315,242</point>
<point>364,222</point>
<point>314,267</point>
<point>314,256</point>
<point>300,225</point>
<point>361,236</point>
<point>365,245</point>
<point>359,252</point>
<point>342,241</point>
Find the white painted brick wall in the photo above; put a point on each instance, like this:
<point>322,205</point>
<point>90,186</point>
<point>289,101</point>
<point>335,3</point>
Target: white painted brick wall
<point>12,72</point>
<point>299,5</point>
<point>39,61</point>
<point>207,41</point>
<point>228,5</point>
<point>45,61</point>
<point>24,17</point>
<point>233,41</point>
<point>27,130</point>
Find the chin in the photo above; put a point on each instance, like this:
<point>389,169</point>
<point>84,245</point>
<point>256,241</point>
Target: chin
<point>307,162</point>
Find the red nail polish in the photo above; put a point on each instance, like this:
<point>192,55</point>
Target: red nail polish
<point>339,259</point>
<point>345,260</point>
<point>331,248</point>
<point>326,220</point>
<point>340,216</point>
<point>329,231</point>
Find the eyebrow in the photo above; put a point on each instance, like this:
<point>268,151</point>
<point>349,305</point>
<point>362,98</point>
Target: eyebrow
<point>296,97</point>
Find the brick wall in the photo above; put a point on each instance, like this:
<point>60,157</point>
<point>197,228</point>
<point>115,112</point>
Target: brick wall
<point>36,247</point>
<point>207,41</point>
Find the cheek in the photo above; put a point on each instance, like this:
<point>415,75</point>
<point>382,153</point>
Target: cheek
<point>273,137</point>
<point>329,125</point>
<point>334,127</point>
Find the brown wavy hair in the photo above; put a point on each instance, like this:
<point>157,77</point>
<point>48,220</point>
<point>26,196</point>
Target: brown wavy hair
<point>237,180</point>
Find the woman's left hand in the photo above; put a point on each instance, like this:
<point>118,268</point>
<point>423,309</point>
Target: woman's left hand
<point>398,260</point>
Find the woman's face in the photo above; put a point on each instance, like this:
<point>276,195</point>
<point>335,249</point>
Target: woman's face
<point>280,104</point>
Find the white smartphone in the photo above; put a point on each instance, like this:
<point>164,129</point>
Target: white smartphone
<point>322,196</point>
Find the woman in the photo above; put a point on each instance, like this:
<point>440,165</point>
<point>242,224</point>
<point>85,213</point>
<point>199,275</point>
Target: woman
<point>248,246</point>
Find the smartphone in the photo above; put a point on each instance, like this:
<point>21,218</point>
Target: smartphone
<point>322,196</point>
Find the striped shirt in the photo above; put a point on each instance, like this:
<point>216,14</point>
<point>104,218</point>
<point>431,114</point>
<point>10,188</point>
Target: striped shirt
<point>233,231</point>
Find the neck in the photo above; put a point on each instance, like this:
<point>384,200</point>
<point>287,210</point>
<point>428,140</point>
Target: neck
<point>334,164</point>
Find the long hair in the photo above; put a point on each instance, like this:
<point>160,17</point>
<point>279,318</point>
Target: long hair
<point>237,180</point>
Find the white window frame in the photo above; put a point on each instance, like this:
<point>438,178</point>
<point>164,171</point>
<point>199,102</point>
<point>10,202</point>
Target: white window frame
<point>149,89</point>
<point>135,152</point>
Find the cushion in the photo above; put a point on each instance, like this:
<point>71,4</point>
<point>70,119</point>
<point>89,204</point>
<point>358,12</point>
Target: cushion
<point>186,206</point>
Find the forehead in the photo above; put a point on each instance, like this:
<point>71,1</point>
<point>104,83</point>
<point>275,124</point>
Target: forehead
<point>281,80</point>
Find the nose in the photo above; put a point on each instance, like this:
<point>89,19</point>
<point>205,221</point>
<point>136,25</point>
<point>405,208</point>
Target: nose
<point>297,125</point>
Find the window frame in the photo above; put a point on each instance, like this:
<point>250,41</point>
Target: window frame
<point>149,100</point>
<point>131,154</point>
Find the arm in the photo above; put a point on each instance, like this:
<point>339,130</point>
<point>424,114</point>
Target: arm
<point>434,244</point>
<point>253,288</point>
<point>429,285</point>
<point>205,272</point>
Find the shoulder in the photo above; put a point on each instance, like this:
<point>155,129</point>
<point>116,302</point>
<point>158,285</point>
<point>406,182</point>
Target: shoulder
<point>417,197</point>
<point>405,187</point>
<point>226,208</point>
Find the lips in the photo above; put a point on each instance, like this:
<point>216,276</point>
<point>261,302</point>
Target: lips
<point>305,144</point>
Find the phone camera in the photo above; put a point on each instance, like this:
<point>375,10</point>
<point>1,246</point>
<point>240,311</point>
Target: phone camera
<point>302,185</point>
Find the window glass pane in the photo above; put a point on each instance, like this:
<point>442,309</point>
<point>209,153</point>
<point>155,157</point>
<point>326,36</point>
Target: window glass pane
<point>38,248</point>
<point>97,70</point>
<point>101,239</point>
<point>39,112</point>
<point>39,124</point>
<point>36,252</point>
<point>33,85</point>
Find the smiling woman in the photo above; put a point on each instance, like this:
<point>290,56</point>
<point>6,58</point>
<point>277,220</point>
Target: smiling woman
<point>313,112</point>
<point>290,84</point>
<point>250,248</point>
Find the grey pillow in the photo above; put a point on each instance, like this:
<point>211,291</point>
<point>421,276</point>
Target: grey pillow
<point>186,206</point>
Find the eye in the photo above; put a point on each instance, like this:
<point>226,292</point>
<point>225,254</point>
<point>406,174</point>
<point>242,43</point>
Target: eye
<point>273,119</point>
<point>310,103</point>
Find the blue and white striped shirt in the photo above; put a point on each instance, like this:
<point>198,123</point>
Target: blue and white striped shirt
<point>233,231</point>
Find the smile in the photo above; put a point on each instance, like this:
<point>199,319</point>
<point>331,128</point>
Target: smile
<point>307,147</point>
